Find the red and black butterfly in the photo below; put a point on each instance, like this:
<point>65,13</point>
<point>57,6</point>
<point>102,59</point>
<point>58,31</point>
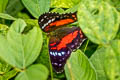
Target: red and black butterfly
<point>64,39</point>
<point>51,21</point>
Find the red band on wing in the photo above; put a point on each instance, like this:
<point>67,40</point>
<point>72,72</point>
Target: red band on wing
<point>52,44</point>
<point>61,22</point>
<point>67,39</point>
<point>53,48</point>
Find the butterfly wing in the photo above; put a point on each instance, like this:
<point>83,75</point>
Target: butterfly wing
<point>51,21</point>
<point>62,44</point>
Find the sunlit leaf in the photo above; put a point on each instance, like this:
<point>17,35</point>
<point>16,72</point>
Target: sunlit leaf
<point>73,9</point>
<point>98,20</point>
<point>59,10</point>
<point>37,7</point>
<point>106,61</point>
<point>3,29</point>
<point>115,3</point>
<point>8,75</point>
<point>22,49</point>
<point>64,3</point>
<point>34,72</point>
<point>78,67</point>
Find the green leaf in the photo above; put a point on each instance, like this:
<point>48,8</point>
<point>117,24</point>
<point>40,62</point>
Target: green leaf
<point>3,4</point>
<point>44,54</point>
<point>78,67</point>
<point>37,7</point>
<point>90,48</point>
<point>34,72</point>
<point>23,15</point>
<point>4,67</point>
<point>3,29</point>
<point>22,49</point>
<point>8,75</point>
<point>13,7</point>
<point>64,3</point>
<point>33,22</point>
<point>115,3</point>
<point>6,71</point>
<point>59,10</point>
<point>106,61</point>
<point>118,34</point>
<point>98,20</point>
<point>6,16</point>
<point>73,9</point>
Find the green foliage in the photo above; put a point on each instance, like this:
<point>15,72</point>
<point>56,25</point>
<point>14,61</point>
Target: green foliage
<point>3,29</point>
<point>103,17</point>
<point>107,61</point>
<point>34,72</point>
<point>24,52</point>
<point>78,67</point>
<point>37,7</point>
<point>64,3</point>
<point>6,71</point>
<point>7,16</point>
<point>44,54</point>
<point>20,45</point>
<point>3,4</point>
<point>14,7</point>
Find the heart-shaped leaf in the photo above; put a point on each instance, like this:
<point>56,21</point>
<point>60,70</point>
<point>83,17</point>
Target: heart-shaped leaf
<point>18,49</point>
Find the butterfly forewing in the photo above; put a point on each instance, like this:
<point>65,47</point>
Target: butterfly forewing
<point>51,21</point>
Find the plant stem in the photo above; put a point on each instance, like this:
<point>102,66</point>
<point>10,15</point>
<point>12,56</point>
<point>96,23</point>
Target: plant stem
<point>51,71</point>
<point>86,46</point>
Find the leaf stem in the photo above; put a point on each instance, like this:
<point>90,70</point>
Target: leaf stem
<point>51,71</point>
<point>86,46</point>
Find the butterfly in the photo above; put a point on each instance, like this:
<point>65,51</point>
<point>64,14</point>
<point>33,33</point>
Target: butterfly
<point>63,40</point>
<point>51,21</point>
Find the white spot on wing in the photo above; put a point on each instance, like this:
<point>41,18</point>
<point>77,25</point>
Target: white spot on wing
<point>45,16</point>
<point>51,53</point>
<point>60,64</point>
<point>42,20</point>
<point>49,21</point>
<point>53,19</point>
<point>56,64</point>
<point>44,25</point>
<point>55,53</point>
<point>63,53</point>
<point>59,54</point>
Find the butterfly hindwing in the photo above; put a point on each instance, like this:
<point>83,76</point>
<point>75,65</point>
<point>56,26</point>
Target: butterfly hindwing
<point>62,44</point>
